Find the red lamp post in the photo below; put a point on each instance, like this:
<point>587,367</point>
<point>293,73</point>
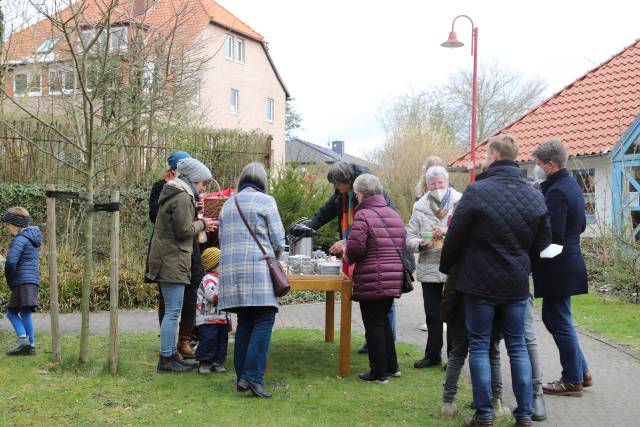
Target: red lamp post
<point>453,42</point>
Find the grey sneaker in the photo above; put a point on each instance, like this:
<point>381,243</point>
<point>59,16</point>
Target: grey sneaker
<point>499,411</point>
<point>448,410</point>
<point>218,369</point>
<point>20,348</point>
<point>204,368</point>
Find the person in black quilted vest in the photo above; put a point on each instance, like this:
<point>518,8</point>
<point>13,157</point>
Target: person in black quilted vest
<point>497,224</point>
<point>557,279</point>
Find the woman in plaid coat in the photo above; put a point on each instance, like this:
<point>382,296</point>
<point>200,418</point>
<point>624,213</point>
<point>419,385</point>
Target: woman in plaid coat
<point>245,283</point>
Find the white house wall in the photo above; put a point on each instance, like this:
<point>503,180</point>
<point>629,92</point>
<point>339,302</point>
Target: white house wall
<point>602,168</point>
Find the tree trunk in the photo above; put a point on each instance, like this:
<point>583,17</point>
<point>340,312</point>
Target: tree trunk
<point>88,266</point>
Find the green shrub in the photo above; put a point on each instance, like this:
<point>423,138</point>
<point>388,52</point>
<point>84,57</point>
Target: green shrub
<point>613,266</point>
<point>300,193</point>
<point>135,230</point>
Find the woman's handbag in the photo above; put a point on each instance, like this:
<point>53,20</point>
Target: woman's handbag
<point>408,262</point>
<point>278,275</point>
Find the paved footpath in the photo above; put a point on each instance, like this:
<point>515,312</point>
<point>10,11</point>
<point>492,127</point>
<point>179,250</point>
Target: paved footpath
<point>613,401</point>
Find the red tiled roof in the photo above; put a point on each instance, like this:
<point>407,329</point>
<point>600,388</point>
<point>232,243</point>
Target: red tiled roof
<point>589,116</point>
<point>190,16</point>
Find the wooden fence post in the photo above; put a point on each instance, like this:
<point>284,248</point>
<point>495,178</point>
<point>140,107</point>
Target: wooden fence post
<point>115,285</point>
<point>53,277</point>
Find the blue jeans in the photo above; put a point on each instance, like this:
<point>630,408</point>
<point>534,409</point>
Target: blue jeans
<point>173,294</point>
<point>556,315</point>
<point>20,319</point>
<point>253,337</point>
<point>532,347</point>
<point>479,315</point>
<point>392,319</point>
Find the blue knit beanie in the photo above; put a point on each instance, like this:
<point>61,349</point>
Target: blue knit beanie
<point>175,157</point>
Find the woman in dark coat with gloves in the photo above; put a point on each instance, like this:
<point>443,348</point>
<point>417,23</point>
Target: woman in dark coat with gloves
<point>375,245</point>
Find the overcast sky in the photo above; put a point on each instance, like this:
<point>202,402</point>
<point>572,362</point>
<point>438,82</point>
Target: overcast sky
<point>342,60</point>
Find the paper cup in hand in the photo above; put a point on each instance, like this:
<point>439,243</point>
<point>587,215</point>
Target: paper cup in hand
<point>426,235</point>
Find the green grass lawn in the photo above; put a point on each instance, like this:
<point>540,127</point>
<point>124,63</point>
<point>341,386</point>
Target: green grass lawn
<point>610,317</point>
<point>302,377</point>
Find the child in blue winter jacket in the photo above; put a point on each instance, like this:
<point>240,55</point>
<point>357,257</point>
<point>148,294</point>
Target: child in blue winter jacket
<point>22,271</point>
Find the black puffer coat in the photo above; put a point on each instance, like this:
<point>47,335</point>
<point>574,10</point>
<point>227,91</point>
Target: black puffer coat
<point>497,224</point>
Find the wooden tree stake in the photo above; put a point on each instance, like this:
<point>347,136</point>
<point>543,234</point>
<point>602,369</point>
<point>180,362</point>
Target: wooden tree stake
<point>53,277</point>
<point>114,288</point>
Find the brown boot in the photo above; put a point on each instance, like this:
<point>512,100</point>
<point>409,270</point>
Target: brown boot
<point>184,341</point>
<point>562,388</point>
<point>523,423</point>
<point>587,379</point>
<point>472,422</point>
<point>184,347</point>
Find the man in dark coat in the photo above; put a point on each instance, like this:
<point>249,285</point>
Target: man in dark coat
<point>498,222</point>
<point>557,279</point>
<point>188,314</point>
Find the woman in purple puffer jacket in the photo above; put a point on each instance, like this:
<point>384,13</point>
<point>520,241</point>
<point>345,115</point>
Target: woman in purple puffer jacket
<point>375,243</point>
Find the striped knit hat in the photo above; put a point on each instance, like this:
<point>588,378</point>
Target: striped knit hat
<point>15,219</point>
<point>210,258</point>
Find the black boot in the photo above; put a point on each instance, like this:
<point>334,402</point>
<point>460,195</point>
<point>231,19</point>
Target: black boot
<point>180,360</point>
<point>427,362</point>
<point>169,364</point>
<point>242,385</point>
<point>258,390</point>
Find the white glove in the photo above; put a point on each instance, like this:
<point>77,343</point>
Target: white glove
<point>551,251</point>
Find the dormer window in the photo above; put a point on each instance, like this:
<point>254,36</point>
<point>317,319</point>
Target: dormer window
<point>47,45</point>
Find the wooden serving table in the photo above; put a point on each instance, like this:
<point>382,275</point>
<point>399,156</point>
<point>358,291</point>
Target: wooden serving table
<point>331,284</point>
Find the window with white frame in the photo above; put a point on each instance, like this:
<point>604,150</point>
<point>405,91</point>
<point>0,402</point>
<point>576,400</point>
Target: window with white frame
<point>195,95</point>
<point>55,82</point>
<point>35,83</point>
<point>228,47</point>
<point>234,101</point>
<point>148,76</point>
<point>60,81</point>
<point>86,37</point>
<point>67,77</point>
<point>270,110</point>
<point>587,182</point>
<point>20,83</point>
<point>118,39</point>
<point>240,51</point>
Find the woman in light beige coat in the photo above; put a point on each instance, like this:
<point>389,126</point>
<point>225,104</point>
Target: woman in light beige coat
<point>431,214</point>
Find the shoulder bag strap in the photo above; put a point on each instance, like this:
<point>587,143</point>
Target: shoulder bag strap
<point>235,199</point>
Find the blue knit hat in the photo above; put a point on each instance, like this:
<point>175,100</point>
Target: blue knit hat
<point>175,157</point>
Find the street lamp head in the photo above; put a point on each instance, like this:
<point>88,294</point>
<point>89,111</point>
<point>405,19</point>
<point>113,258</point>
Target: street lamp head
<point>452,42</point>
